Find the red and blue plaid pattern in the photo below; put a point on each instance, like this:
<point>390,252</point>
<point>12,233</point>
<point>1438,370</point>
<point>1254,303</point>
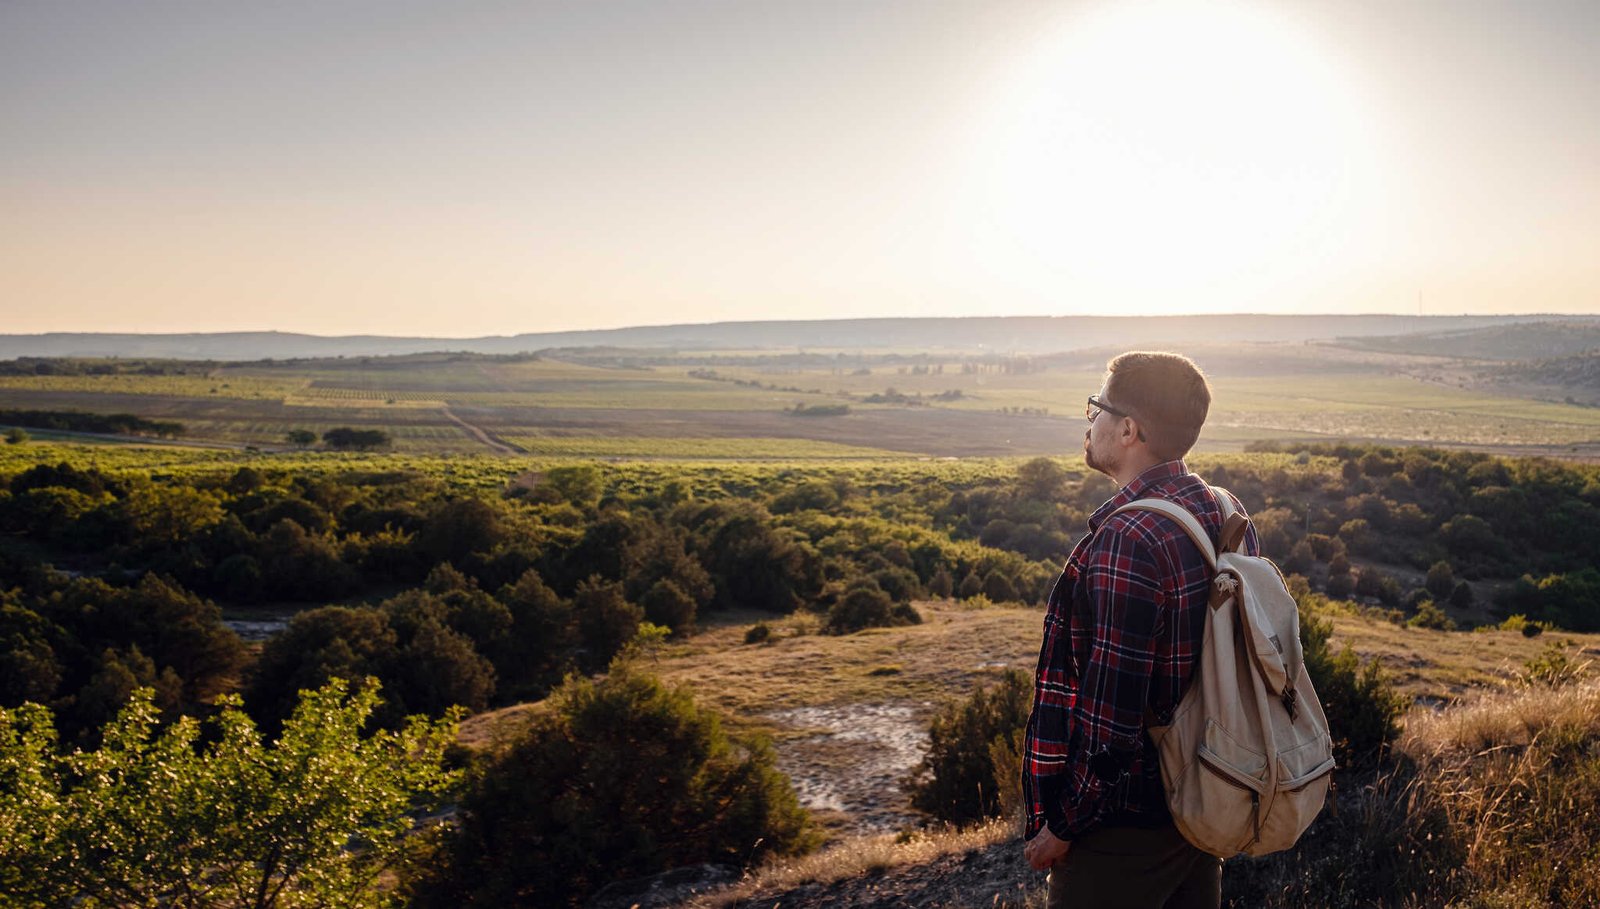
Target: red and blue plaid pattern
<point>1121,631</point>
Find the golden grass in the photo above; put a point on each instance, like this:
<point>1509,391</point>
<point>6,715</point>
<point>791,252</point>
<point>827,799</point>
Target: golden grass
<point>1446,665</point>
<point>1510,719</point>
<point>945,657</point>
<point>857,857</point>
<point>1515,778</point>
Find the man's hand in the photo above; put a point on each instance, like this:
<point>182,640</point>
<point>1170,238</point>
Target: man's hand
<point>1045,849</point>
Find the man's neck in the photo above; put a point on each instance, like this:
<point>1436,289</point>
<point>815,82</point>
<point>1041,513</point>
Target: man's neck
<point>1130,469</point>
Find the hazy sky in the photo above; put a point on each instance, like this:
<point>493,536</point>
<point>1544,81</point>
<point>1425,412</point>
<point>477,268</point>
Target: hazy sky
<point>465,168</point>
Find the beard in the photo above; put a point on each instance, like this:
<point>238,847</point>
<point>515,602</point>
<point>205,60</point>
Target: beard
<point>1094,462</point>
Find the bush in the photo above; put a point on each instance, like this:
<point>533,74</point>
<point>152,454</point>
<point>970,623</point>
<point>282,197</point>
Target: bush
<point>1362,706</point>
<point>174,818</point>
<point>759,633</point>
<point>1300,559</point>
<point>606,620</point>
<point>974,752</point>
<point>665,603</point>
<point>620,777</point>
<point>1553,667</point>
<point>1441,580</point>
<point>344,437</point>
<point>866,606</point>
<point>1429,615</point>
<point>998,587</point>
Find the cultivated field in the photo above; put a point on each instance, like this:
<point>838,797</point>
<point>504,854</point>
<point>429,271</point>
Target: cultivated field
<point>611,403</point>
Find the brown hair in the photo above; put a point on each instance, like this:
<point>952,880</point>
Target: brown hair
<point>1166,393</point>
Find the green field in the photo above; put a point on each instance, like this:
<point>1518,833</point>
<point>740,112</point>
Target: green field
<point>691,448</point>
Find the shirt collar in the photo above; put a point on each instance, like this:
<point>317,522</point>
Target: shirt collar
<point>1160,473</point>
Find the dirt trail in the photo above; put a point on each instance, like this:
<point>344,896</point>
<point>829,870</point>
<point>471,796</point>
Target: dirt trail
<point>481,435</point>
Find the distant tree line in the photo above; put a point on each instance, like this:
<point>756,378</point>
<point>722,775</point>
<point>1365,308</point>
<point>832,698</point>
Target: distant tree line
<point>80,421</point>
<point>91,366</point>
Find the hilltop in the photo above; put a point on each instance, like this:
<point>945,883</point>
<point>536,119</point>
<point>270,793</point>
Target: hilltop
<point>1016,334</point>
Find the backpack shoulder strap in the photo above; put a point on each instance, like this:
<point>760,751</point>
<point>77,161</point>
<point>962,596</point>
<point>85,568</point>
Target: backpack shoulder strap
<point>1234,523</point>
<point>1186,520</point>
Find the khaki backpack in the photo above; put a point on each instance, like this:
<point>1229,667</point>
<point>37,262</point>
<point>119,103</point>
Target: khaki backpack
<point>1247,759</point>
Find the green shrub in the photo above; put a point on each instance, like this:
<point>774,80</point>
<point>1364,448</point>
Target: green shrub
<point>665,603</point>
<point>1362,706</point>
<point>974,752</point>
<point>759,633</point>
<point>1553,667</point>
<point>866,606</point>
<point>1441,580</point>
<point>606,620</point>
<point>170,817</point>
<point>616,778</point>
<point>1429,615</point>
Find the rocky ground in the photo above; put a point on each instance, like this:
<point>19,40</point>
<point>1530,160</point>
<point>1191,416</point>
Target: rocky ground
<point>850,760</point>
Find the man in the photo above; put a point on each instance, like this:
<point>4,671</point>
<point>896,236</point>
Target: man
<point>1121,633</point>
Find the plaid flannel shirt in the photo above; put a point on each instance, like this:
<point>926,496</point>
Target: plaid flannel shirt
<point>1122,630</point>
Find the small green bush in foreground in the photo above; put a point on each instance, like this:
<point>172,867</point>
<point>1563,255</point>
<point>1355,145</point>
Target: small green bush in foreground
<point>156,818</point>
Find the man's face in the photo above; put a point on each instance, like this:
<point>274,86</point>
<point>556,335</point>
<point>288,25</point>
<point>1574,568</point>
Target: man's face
<point>1100,451</point>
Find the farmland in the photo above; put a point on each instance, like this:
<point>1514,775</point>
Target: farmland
<point>653,404</point>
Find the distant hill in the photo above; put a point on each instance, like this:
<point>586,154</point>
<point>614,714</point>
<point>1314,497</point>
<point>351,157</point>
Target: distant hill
<point>1016,334</point>
<point>1578,373</point>
<point>1520,341</point>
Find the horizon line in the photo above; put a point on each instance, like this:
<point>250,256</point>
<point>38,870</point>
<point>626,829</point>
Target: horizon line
<point>1529,317</point>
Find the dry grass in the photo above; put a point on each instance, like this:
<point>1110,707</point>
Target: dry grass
<point>945,657</point>
<point>1448,665</point>
<point>1516,778</point>
<point>1491,802</point>
<point>858,857</point>
<point>1514,719</point>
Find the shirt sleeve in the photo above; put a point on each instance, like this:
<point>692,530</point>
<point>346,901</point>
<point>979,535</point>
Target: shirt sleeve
<point>1122,597</point>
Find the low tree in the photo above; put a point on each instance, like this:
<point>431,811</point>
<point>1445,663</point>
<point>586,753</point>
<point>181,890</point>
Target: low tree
<point>169,817</point>
<point>344,437</point>
<point>300,438</point>
<point>665,603</point>
<point>1041,479</point>
<point>605,620</point>
<point>1441,580</point>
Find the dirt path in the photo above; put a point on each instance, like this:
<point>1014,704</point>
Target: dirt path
<point>481,435</point>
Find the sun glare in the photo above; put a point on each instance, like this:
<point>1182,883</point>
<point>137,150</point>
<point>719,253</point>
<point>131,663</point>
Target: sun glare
<point>1148,148</point>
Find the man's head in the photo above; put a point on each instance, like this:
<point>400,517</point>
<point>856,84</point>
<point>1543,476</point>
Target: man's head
<point>1153,405</point>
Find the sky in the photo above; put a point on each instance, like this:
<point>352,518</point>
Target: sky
<point>472,168</point>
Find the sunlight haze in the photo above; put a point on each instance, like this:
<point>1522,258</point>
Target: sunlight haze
<point>478,168</point>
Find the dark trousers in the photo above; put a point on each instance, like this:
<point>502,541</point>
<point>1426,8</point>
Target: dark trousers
<point>1135,868</point>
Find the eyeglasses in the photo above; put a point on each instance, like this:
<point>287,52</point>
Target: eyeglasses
<point>1095,405</point>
